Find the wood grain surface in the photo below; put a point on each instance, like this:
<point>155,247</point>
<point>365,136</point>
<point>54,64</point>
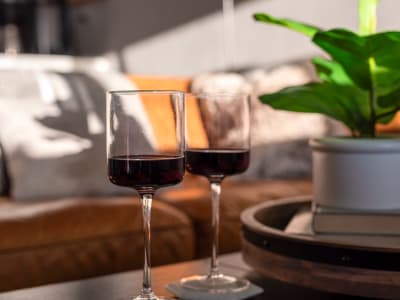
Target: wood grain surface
<point>351,281</point>
<point>124,286</point>
<point>312,263</point>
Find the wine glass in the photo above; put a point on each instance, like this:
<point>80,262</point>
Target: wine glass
<point>133,159</point>
<point>222,149</point>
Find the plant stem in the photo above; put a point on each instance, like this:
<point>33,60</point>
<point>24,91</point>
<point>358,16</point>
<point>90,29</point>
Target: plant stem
<point>367,16</point>
<point>372,97</point>
<point>367,12</point>
<point>373,112</point>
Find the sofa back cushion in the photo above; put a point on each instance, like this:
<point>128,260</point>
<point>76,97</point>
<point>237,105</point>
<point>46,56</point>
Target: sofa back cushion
<point>279,138</point>
<point>52,129</point>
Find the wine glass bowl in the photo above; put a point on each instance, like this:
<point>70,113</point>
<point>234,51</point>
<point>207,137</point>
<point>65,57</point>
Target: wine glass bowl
<point>217,162</point>
<point>145,173</point>
<point>137,156</point>
<point>225,151</point>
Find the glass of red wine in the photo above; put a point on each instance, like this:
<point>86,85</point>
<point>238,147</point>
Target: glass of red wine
<point>220,148</point>
<point>137,160</point>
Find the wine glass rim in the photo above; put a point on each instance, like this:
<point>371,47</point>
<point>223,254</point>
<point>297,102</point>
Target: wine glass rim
<point>133,92</point>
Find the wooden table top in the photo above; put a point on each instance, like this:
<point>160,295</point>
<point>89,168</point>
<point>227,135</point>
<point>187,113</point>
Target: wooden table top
<point>124,286</point>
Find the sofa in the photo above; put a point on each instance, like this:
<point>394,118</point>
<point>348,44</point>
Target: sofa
<point>68,239</point>
<point>61,220</point>
<point>68,236</point>
<point>52,241</point>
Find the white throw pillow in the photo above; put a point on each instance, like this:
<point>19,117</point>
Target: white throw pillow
<point>52,130</point>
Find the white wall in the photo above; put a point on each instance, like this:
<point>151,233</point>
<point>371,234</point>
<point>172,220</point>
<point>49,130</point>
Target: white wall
<point>196,46</point>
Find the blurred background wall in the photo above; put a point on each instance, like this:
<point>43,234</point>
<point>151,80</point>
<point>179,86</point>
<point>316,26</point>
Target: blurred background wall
<point>186,37</point>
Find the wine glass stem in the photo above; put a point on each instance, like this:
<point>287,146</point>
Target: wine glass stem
<point>215,199</point>
<point>146,211</point>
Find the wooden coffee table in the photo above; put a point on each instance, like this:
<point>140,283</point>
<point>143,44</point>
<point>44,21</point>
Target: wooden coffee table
<point>123,286</point>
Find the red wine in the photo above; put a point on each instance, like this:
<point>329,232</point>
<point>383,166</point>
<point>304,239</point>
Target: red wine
<point>146,171</point>
<point>217,162</point>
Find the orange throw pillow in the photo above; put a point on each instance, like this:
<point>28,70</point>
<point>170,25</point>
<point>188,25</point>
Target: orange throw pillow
<point>161,129</point>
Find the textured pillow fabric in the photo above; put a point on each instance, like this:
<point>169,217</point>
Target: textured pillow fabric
<point>52,130</point>
<point>279,138</point>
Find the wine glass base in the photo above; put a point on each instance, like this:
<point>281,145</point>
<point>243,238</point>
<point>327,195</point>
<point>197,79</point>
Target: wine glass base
<point>152,297</point>
<point>149,296</point>
<point>146,298</point>
<point>216,284</point>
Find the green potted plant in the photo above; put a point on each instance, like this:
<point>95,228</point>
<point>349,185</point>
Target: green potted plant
<point>360,86</point>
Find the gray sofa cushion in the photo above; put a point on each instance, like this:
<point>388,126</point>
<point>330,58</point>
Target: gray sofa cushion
<point>52,129</point>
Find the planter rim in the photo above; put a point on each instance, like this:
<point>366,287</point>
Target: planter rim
<point>356,145</point>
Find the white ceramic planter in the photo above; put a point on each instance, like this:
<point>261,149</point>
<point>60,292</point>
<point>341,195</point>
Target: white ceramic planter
<point>357,174</point>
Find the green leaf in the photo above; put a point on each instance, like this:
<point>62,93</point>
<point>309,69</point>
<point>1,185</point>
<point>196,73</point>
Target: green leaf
<point>360,83</point>
<point>384,49</point>
<point>372,62</point>
<point>387,106</point>
<point>386,117</point>
<point>350,51</point>
<point>367,16</point>
<point>347,104</point>
<point>331,71</point>
<point>304,28</point>
<point>390,100</point>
